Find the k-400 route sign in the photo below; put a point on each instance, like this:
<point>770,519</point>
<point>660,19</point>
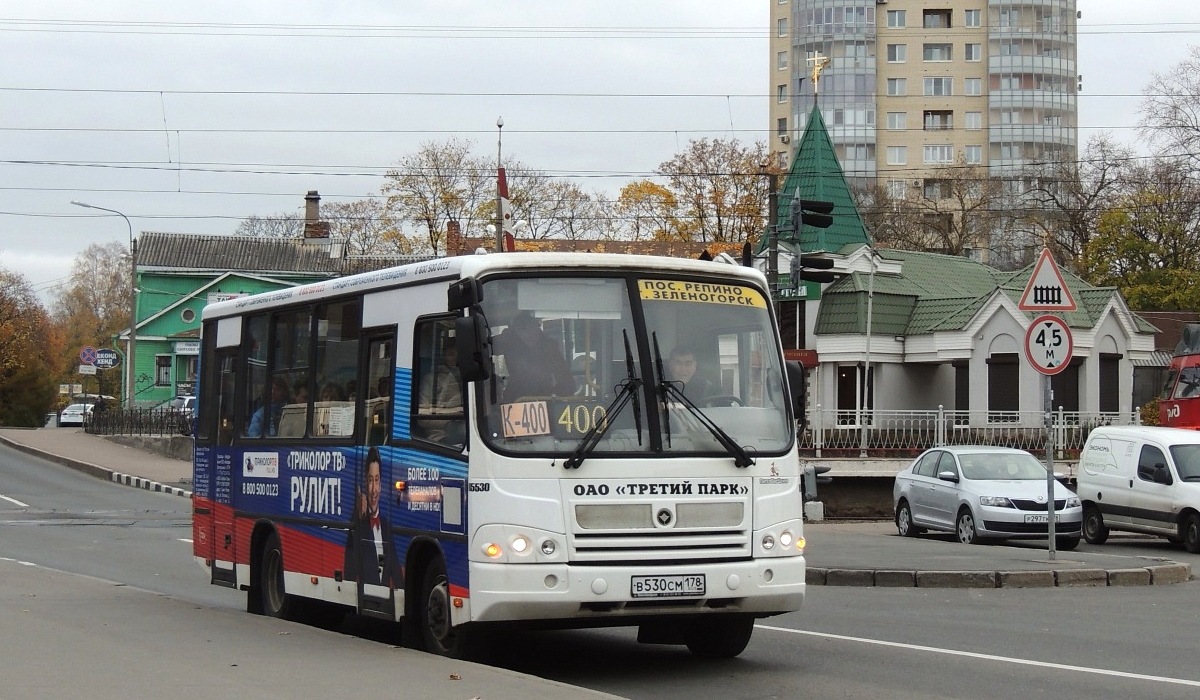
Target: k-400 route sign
<point>1048,344</point>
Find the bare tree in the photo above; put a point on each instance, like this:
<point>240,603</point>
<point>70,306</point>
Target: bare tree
<point>1066,199</point>
<point>95,306</point>
<point>1171,109</point>
<point>281,225</point>
<point>363,223</point>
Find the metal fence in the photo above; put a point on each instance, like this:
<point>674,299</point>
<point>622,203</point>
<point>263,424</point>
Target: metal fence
<point>898,434</point>
<point>138,421</point>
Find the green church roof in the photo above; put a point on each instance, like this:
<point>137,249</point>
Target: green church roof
<point>816,174</point>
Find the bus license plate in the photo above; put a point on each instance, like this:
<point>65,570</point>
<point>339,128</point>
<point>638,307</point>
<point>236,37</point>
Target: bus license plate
<point>666,586</point>
<point>1041,518</point>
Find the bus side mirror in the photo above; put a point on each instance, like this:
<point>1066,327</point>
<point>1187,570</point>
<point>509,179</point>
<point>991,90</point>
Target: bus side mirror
<point>474,347</point>
<point>463,294</point>
<point>796,381</point>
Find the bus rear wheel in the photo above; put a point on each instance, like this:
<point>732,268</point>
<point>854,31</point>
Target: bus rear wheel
<point>718,636</point>
<point>439,636</point>
<point>273,598</point>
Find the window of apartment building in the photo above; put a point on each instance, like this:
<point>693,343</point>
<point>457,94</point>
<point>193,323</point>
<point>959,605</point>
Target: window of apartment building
<point>897,87</point>
<point>897,53</point>
<point>1052,120</point>
<point>938,119</point>
<point>938,87</point>
<point>973,86</point>
<point>973,18</point>
<point>1010,82</point>
<point>897,155</point>
<point>1010,116</point>
<point>781,60</point>
<point>897,121</point>
<point>1052,24</point>
<point>1010,17</point>
<point>937,52</point>
<point>852,117</point>
<point>935,19</point>
<point>859,151</point>
<point>1010,151</point>
<point>973,155</point>
<point>973,52</point>
<point>935,189</point>
<point>936,154</point>
<point>781,95</point>
<point>1052,52</point>
<point>895,19</point>
<point>856,50</point>
<point>1010,48</point>
<point>781,127</point>
<point>897,189</point>
<point>973,121</point>
<point>781,27</point>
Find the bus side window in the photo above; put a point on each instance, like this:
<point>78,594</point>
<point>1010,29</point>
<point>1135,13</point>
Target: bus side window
<point>377,394</point>
<point>438,404</point>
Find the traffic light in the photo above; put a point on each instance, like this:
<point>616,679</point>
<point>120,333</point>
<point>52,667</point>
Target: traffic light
<point>810,268</point>
<point>811,212</point>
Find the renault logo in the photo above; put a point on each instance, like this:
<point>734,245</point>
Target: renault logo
<point>664,517</point>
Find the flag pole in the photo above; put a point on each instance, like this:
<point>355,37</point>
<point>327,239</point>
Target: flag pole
<point>499,194</point>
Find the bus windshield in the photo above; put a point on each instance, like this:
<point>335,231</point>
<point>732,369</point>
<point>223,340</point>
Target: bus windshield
<point>671,365</point>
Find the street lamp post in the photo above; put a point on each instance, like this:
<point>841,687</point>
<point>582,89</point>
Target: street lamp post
<point>130,388</point>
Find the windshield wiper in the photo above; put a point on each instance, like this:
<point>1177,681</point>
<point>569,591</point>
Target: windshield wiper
<point>668,389</point>
<point>629,391</point>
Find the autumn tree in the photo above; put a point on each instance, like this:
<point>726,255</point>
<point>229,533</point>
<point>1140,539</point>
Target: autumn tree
<point>367,227</point>
<point>439,183</point>
<point>94,308</point>
<point>29,349</point>
<point>720,191</point>
<point>644,210</point>
<point>1148,246</point>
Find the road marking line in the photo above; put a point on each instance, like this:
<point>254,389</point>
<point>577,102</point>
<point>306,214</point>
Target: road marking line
<point>14,501</point>
<point>991,657</point>
<point>184,539</point>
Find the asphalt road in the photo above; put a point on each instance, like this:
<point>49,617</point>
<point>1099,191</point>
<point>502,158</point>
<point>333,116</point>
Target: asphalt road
<point>848,642</point>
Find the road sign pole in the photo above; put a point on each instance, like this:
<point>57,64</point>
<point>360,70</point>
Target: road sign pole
<point>1048,406</point>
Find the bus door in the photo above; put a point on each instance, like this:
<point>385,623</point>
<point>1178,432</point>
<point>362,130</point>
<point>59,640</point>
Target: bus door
<point>371,558</point>
<point>212,520</point>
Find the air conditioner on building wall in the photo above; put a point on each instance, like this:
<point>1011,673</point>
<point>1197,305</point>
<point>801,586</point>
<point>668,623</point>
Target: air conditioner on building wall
<point>784,138</point>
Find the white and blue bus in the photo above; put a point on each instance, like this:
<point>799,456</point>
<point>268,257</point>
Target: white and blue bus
<point>565,440</point>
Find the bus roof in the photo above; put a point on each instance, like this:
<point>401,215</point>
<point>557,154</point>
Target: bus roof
<point>460,266</point>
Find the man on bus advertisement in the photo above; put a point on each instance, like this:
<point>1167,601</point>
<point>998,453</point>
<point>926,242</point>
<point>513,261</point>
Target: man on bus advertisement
<point>370,548</point>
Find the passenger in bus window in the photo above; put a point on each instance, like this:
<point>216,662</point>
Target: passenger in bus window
<point>279,397</point>
<point>370,550</point>
<point>441,389</point>
<point>331,392</point>
<point>536,366</point>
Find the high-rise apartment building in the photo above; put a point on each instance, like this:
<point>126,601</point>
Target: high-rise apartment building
<point>916,85</point>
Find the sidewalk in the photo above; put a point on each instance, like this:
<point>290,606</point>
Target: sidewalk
<point>838,553</point>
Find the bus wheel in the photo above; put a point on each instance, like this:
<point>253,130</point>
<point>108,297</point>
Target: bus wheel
<point>718,636</point>
<point>274,600</point>
<point>438,635</point>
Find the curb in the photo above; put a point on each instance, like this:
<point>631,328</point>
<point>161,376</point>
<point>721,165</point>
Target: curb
<point>100,472</point>
<point>1162,573</point>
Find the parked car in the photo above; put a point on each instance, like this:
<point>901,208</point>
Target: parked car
<point>74,415</point>
<point>1141,479</point>
<point>179,410</point>
<point>983,492</point>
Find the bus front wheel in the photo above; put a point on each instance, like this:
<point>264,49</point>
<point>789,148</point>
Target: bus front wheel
<point>438,635</point>
<point>718,636</point>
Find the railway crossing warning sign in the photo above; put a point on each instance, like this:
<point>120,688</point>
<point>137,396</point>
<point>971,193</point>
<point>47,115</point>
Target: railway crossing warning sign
<point>1046,290</point>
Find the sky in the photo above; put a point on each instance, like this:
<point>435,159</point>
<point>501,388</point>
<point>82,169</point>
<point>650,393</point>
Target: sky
<point>189,117</point>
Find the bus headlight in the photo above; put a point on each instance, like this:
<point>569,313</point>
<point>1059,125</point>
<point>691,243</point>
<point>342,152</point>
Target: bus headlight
<point>768,542</point>
<point>520,544</point>
<point>548,547</point>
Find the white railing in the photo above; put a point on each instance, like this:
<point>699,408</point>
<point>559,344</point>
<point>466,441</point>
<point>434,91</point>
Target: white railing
<point>907,433</point>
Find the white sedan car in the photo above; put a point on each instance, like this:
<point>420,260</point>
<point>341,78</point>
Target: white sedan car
<point>981,492</point>
<point>75,414</point>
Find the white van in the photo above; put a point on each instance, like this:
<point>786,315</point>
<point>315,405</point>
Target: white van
<point>1141,479</point>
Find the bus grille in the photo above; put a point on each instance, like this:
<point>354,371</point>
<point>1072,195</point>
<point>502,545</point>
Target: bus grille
<point>687,531</point>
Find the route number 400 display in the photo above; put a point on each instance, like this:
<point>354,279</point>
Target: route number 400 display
<point>534,418</point>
